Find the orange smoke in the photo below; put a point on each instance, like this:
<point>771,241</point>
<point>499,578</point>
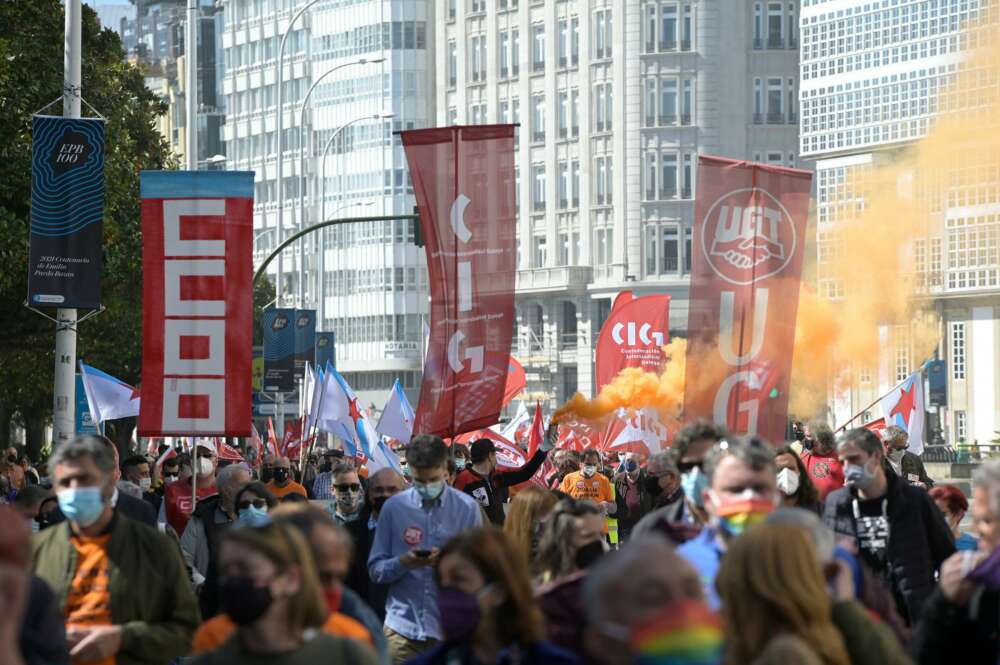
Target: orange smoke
<point>634,388</point>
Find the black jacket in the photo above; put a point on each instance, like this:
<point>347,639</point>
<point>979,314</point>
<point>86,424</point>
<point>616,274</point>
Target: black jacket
<point>951,634</point>
<point>208,598</point>
<point>919,539</point>
<point>492,491</point>
<point>357,574</point>
<point>43,633</point>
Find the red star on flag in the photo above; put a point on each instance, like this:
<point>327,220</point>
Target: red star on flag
<point>905,405</point>
<point>354,411</point>
<point>134,395</point>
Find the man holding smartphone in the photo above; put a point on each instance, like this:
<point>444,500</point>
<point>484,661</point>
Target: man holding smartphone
<point>412,527</point>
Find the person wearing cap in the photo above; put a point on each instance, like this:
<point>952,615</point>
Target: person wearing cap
<point>489,485</point>
<point>323,485</point>
<point>177,501</point>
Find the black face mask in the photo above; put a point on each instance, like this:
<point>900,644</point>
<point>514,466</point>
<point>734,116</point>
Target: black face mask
<point>652,486</point>
<point>266,474</point>
<point>589,554</point>
<point>378,502</point>
<point>242,601</point>
<point>808,443</point>
<point>280,475</point>
<point>327,467</point>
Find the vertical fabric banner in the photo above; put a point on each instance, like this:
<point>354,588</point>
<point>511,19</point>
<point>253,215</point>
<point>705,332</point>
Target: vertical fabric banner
<point>279,350</point>
<point>67,212</point>
<point>305,339</point>
<point>84,421</point>
<point>633,336</point>
<point>326,344</point>
<point>197,315</point>
<point>749,239</point>
<point>463,178</point>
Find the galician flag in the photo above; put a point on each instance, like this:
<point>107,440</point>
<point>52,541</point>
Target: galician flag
<point>904,407</point>
<point>396,421</point>
<point>109,398</point>
<point>341,415</point>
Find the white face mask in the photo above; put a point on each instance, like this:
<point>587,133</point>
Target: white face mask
<point>145,484</point>
<point>788,481</point>
<point>205,466</point>
<point>896,454</point>
<point>589,470</point>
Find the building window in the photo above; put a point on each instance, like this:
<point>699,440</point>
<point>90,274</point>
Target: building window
<point>603,180</point>
<point>504,60</point>
<point>452,63</point>
<point>602,34</point>
<point>668,176</point>
<point>758,101</point>
<point>563,114</point>
<point>774,101</point>
<point>538,252</point>
<point>958,350</point>
<point>758,26</point>
<point>960,433</point>
<point>538,118</point>
<point>538,187</point>
<point>650,28</point>
<point>477,58</point>
<point>688,176</point>
<point>650,99</point>
<point>602,107</point>
<point>574,51</point>
<point>515,109</point>
<point>775,24</point>
<point>575,190</point>
<point>650,176</point>
<point>663,249</point>
<point>687,249</point>
<point>774,158</point>
<point>902,360</point>
<point>477,6</point>
<point>563,43</point>
<point>792,102</point>
<point>687,101</point>
<point>538,47</point>
<point>563,259</point>
<point>604,246</point>
<point>563,185</point>
<point>515,50</point>
<point>574,103</point>
<point>668,101</point>
<point>668,30</point>
<point>790,20</point>
<point>687,29</point>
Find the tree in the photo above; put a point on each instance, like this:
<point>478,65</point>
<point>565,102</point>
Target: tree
<point>31,50</point>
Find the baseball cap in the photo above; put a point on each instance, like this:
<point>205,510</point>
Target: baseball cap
<point>481,449</point>
<point>207,444</point>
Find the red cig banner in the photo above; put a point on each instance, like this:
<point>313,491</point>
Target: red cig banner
<point>749,239</point>
<point>464,183</point>
<point>633,336</point>
<point>197,305</point>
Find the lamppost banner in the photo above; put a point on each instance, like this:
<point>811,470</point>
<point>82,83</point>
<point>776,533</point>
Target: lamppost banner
<point>326,346</point>
<point>305,339</point>
<point>748,244</point>
<point>463,178</point>
<point>278,325</point>
<point>67,211</point>
<point>197,314</point>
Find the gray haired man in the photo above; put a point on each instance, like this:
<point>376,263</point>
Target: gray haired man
<point>907,465</point>
<point>664,497</point>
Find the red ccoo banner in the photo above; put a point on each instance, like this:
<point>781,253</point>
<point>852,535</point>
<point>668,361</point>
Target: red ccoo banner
<point>464,183</point>
<point>197,302</point>
<point>633,336</point>
<point>749,237</point>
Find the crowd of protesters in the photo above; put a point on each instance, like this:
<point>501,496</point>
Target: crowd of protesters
<point>831,549</point>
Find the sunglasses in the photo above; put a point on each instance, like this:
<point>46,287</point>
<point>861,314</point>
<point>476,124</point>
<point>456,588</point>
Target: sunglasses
<point>256,503</point>
<point>684,467</point>
<point>348,487</point>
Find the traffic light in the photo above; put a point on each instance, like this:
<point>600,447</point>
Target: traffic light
<point>418,232</point>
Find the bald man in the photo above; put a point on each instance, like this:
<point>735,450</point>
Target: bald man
<point>282,484</point>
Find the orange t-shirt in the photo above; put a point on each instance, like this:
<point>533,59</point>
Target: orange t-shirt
<point>88,600</point>
<point>597,488</point>
<point>213,633</point>
<point>291,488</point>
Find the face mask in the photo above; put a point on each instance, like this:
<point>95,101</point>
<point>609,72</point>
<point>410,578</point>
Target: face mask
<point>589,470</point>
<point>858,476</point>
<point>169,478</point>
<point>145,484</point>
<point>652,486</point>
<point>280,475</point>
<point>738,515</point>
<point>326,468</point>
<point>588,554</point>
<point>896,454</point>
<point>82,505</point>
<point>378,502</point>
<point>631,466</point>
<point>242,601</point>
<point>683,632</point>
<point>460,612</point>
<point>406,471</point>
<point>205,466</point>
<point>333,598</point>
<point>348,502</point>
<point>253,516</point>
<point>267,474</point>
<point>429,491</point>
<point>459,463</point>
<point>695,482</point>
<point>788,482</point>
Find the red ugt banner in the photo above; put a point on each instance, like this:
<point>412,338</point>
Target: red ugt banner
<point>464,182</point>
<point>749,238</point>
<point>197,302</point>
<point>633,336</point>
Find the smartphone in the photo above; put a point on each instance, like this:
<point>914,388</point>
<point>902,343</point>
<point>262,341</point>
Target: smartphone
<point>423,554</point>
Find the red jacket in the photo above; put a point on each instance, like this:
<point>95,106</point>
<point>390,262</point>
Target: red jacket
<point>826,472</point>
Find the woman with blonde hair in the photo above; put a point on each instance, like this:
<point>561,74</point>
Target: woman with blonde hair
<point>775,601</point>
<point>268,587</point>
<point>528,511</point>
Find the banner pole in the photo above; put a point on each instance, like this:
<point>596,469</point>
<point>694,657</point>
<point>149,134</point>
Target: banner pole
<point>64,388</point>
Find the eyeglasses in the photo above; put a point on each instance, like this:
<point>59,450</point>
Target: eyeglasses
<point>256,503</point>
<point>348,487</point>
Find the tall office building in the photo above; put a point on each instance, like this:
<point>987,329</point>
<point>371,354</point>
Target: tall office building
<point>373,287</point>
<point>615,101</point>
<point>875,75</point>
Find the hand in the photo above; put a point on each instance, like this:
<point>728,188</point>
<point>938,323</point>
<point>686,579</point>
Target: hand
<point>411,561</point>
<point>551,434</point>
<point>920,485</point>
<point>955,583</point>
<point>98,643</point>
<point>609,507</point>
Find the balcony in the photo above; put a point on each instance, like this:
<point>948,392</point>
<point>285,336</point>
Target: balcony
<point>668,45</point>
<point>669,119</point>
<point>775,41</point>
<point>686,193</point>
<point>553,279</point>
<point>686,119</point>
<point>758,43</point>
<point>776,118</point>
<point>538,67</point>
<point>758,118</point>
<point>792,117</point>
<point>685,44</point>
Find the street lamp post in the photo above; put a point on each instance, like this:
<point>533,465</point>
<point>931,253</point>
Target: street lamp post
<point>302,168</point>
<point>279,77</point>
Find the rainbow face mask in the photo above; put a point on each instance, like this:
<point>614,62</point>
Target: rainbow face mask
<point>684,633</point>
<point>737,515</point>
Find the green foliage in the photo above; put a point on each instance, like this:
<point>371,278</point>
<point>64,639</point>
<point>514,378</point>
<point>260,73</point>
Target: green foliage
<point>31,74</point>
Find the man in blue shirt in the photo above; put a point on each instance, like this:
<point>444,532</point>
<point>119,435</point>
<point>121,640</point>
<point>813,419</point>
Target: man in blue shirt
<point>742,490</point>
<point>412,527</point>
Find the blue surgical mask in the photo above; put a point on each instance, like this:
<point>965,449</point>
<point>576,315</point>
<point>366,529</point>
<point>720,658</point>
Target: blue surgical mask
<point>82,505</point>
<point>429,491</point>
<point>459,463</point>
<point>694,483</point>
<point>253,516</point>
<point>858,476</point>
<point>631,466</point>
